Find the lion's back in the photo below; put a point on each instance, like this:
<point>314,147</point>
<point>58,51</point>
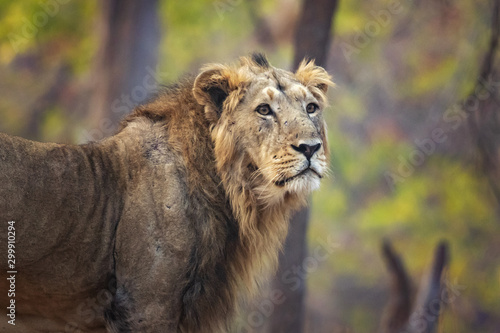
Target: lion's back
<point>16,157</point>
<point>54,198</point>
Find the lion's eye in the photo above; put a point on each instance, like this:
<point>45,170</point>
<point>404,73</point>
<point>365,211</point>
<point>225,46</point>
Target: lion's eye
<point>311,108</point>
<point>264,109</point>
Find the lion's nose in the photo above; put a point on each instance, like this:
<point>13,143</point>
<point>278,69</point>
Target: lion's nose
<point>307,150</point>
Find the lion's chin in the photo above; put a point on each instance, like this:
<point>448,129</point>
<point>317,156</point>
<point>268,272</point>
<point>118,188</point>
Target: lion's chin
<point>304,183</point>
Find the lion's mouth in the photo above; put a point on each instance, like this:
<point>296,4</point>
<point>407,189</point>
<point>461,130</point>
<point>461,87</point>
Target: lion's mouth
<point>303,172</point>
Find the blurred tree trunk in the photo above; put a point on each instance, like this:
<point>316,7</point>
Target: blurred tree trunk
<point>313,32</point>
<point>312,40</point>
<point>48,100</point>
<point>124,70</point>
<point>484,104</point>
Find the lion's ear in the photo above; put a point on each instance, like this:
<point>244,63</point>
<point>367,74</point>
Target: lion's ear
<point>211,88</point>
<point>311,75</point>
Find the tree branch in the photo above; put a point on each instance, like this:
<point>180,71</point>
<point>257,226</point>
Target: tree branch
<point>397,311</point>
<point>484,124</point>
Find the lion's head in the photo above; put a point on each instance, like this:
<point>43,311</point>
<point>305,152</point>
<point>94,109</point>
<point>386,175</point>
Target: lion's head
<point>267,125</point>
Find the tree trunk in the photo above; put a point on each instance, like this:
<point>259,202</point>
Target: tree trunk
<point>313,33</point>
<point>484,105</point>
<point>49,99</point>
<point>312,40</point>
<point>124,71</point>
<point>290,315</point>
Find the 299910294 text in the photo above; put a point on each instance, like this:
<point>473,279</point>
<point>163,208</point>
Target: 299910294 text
<point>11,272</point>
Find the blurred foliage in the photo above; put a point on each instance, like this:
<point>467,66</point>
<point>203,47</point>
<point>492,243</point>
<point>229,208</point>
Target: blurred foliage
<point>393,91</point>
<point>187,45</point>
<point>58,27</point>
<point>408,66</point>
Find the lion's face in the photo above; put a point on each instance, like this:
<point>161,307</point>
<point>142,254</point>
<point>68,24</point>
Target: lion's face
<point>282,131</point>
<point>269,126</point>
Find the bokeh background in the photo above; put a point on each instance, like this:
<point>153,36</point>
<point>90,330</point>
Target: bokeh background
<point>414,129</point>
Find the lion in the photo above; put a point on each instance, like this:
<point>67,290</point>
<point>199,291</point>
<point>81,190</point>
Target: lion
<point>167,225</point>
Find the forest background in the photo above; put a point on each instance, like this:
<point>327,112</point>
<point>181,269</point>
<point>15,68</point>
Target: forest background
<point>413,129</point>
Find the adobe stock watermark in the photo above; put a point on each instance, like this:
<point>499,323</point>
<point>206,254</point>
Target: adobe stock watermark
<point>380,20</point>
<point>453,118</point>
<point>11,272</point>
<point>224,6</point>
<point>124,104</point>
<point>417,157</point>
<point>32,25</point>
<point>292,278</point>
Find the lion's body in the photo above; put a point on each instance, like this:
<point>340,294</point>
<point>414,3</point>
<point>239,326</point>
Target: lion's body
<point>146,231</point>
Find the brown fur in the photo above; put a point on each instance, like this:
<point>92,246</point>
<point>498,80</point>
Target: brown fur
<point>177,216</point>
